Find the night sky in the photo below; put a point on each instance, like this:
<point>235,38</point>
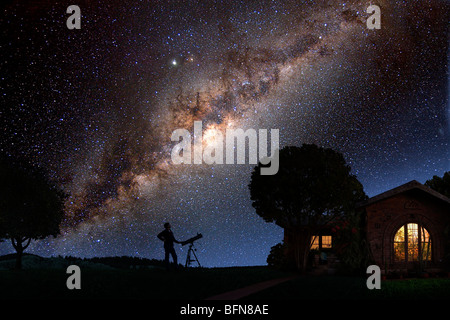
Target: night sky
<point>96,107</point>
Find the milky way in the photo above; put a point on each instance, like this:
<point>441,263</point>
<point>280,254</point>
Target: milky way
<point>96,107</point>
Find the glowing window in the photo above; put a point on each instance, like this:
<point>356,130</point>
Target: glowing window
<point>412,242</point>
<point>315,242</point>
<point>326,241</point>
<point>322,242</point>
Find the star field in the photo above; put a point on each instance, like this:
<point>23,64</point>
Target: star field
<point>96,107</point>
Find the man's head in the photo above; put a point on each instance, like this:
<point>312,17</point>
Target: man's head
<point>167,225</point>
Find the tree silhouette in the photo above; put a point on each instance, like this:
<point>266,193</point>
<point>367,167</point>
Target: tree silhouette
<point>313,186</point>
<point>31,207</point>
<point>441,185</point>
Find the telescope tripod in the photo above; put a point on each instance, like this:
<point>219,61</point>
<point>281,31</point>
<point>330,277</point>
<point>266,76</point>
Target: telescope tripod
<point>188,258</point>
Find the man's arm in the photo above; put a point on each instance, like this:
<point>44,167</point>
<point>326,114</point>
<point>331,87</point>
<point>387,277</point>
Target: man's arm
<point>175,240</point>
<point>161,236</point>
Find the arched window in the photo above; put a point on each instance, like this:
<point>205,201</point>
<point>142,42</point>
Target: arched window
<point>412,242</point>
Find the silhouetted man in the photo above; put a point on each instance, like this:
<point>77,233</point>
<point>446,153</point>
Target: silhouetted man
<point>168,238</point>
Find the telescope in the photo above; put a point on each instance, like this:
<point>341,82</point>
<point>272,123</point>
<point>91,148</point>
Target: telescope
<point>191,240</point>
<point>191,250</point>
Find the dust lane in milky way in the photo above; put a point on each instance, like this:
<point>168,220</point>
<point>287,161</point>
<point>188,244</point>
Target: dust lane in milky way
<point>236,83</point>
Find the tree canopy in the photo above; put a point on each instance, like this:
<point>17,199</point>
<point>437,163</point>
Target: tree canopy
<point>312,186</point>
<point>31,207</point>
<point>441,185</point>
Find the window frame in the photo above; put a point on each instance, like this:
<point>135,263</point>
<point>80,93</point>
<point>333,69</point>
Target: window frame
<point>423,238</point>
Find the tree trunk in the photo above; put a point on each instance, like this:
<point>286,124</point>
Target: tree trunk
<point>18,245</point>
<point>302,245</point>
<point>19,260</point>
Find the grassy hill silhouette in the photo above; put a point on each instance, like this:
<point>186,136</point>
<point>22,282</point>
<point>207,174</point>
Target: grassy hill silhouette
<point>32,261</point>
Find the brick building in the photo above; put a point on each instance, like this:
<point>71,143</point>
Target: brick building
<point>407,228</point>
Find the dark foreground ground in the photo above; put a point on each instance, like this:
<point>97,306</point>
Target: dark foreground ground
<point>155,283</point>
<point>354,288</point>
<point>201,283</point>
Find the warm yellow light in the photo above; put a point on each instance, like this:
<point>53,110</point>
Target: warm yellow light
<point>412,243</point>
<point>212,136</point>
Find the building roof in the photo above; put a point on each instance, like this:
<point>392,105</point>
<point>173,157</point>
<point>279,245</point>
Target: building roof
<point>412,185</point>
